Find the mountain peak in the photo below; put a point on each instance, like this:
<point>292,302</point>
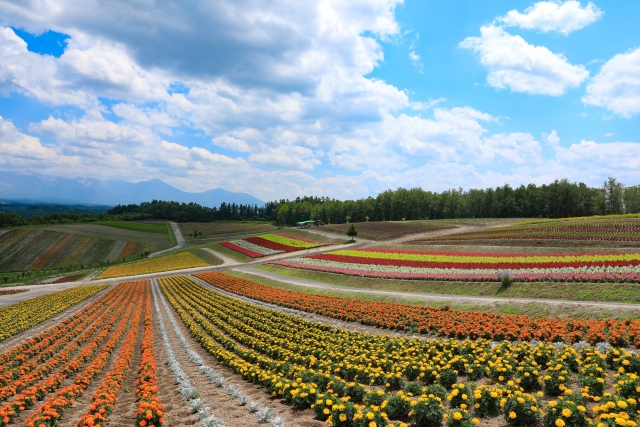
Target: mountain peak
<point>39,187</point>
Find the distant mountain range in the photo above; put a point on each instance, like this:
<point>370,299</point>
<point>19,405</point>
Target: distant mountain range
<point>34,186</point>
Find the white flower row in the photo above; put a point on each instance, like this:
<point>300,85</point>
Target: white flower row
<point>188,391</point>
<point>263,414</point>
<point>434,270</point>
<point>256,248</point>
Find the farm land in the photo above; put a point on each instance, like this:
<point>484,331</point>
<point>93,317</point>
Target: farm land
<point>34,253</point>
<point>238,349</point>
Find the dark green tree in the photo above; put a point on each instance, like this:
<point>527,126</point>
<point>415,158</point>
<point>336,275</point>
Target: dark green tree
<point>351,231</point>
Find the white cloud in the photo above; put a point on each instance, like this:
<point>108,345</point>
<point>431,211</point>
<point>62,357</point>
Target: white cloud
<point>617,85</point>
<point>514,63</point>
<point>546,16</point>
<point>231,143</point>
<point>552,138</point>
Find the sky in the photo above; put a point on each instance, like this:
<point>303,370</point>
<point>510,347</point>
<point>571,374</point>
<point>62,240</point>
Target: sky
<point>281,99</point>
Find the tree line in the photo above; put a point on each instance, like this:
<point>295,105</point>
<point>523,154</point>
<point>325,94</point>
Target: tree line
<point>559,199</point>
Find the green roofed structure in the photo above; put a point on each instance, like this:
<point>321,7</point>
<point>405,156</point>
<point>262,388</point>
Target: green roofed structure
<point>303,223</point>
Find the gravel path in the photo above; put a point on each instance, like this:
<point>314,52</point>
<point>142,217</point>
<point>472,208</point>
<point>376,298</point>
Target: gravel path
<point>459,299</point>
<point>179,238</point>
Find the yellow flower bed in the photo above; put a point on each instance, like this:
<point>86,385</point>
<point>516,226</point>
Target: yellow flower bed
<point>26,314</point>
<point>165,263</point>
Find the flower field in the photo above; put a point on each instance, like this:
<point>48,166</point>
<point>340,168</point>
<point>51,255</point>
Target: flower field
<point>26,314</point>
<point>154,265</point>
<point>445,323</point>
<point>271,244</point>
<point>355,379</point>
<point>583,230</point>
<point>35,248</point>
<point>459,266</point>
<point>101,365</point>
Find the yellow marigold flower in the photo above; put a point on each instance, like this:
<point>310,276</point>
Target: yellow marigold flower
<point>370,415</point>
<point>457,416</point>
<point>560,423</point>
<point>372,423</point>
<point>566,412</point>
<point>582,408</point>
<point>512,415</point>
<point>621,421</point>
<point>476,421</point>
<point>622,404</point>
<point>533,408</point>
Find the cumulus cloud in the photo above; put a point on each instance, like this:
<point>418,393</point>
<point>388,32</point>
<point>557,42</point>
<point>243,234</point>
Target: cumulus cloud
<point>514,63</point>
<point>617,85</point>
<point>546,16</point>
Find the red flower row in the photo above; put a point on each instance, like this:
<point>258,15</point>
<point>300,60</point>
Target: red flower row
<point>271,245</point>
<point>244,251</point>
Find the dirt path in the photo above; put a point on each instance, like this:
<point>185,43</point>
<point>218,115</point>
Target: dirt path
<point>459,299</point>
<point>179,239</point>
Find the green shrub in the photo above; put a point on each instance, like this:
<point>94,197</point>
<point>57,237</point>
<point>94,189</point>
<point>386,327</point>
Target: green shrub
<point>487,401</point>
<point>460,395</point>
<point>427,412</point>
<point>397,406</point>
<point>563,413</point>
<point>557,378</point>
<point>460,418</point>
<point>521,409</point>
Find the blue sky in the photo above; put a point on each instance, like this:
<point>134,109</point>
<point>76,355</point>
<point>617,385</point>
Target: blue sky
<point>322,98</point>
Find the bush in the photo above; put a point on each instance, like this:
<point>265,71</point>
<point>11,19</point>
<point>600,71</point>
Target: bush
<point>342,414</point>
<point>475,371</point>
<point>528,376</point>
<point>506,278</point>
<point>447,378</point>
<point>375,398</point>
<point>414,389</point>
<point>628,386</point>
<point>460,418</point>
<point>557,378</point>
<point>520,409</point>
<point>394,381</point>
<point>322,406</point>
<point>365,416</point>
<point>437,390</point>
<point>398,406</point>
<point>612,408</point>
<point>427,412</point>
<point>487,401</point>
<point>355,391</point>
<point>563,413</point>
<point>460,395</point>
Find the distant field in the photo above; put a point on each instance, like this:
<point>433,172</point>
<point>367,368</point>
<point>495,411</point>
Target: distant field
<point>387,230</point>
<point>598,232</point>
<point>223,230</point>
<point>50,247</point>
<point>146,227</point>
<point>169,262</point>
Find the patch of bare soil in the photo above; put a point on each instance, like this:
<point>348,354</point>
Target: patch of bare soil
<point>387,230</point>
